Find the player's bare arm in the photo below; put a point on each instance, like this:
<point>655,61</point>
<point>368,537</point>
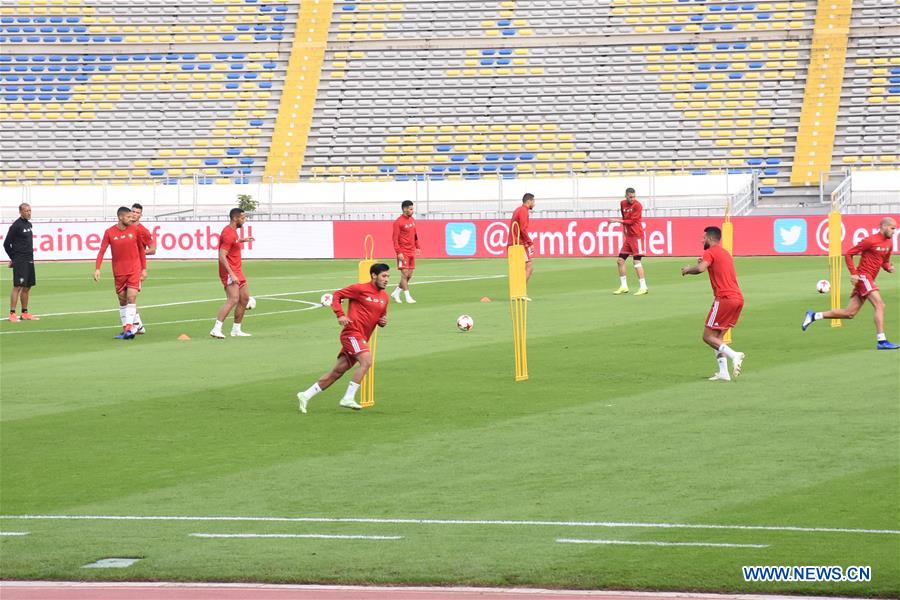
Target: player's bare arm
<point>382,322</point>
<point>97,275</point>
<point>700,267</point>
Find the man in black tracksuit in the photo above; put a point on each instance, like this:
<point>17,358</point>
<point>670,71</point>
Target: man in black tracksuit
<point>19,245</point>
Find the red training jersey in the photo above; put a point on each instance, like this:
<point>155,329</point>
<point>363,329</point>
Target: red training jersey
<point>126,249</point>
<point>228,241</point>
<point>876,255</point>
<point>722,276</point>
<point>146,238</point>
<point>406,241</point>
<point>367,305</point>
<point>521,217</point>
<point>631,218</point>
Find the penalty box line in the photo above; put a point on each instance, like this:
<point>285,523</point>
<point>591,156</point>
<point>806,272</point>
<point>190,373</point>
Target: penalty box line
<point>484,522</point>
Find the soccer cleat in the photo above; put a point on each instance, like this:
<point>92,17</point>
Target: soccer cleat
<point>304,400</point>
<point>808,319</point>
<point>621,290</point>
<point>13,318</point>
<point>737,363</point>
<point>239,334</point>
<point>526,298</point>
<point>217,334</point>
<point>720,377</point>
<point>125,335</point>
<point>397,298</point>
<point>140,330</point>
<point>349,403</point>
<point>642,292</point>
<point>30,317</point>
<point>886,345</point>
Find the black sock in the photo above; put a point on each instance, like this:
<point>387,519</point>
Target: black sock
<point>12,311</point>
<point>24,310</point>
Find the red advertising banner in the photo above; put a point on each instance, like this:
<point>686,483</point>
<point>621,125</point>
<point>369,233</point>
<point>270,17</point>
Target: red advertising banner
<point>678,236</point>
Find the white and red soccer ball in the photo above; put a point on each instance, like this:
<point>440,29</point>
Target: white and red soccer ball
<point>822,286</point>
<point>465,323</point>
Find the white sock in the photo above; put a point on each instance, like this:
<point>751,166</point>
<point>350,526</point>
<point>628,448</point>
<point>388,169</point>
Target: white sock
<point>396,291</point>
<point>623,281</point>
<point>217,326</point>
<point>881,337</point>
<point>137,321</point>
<point>723,364</point>
<point>643,283</point>
<point>408,295</point>
<point>315,389</point>
<point>818,316</point>
<point>122,315</point>
<point>724,349</point>
<point>350,394</point>
<point>236,327</point>
<point>130,311</point>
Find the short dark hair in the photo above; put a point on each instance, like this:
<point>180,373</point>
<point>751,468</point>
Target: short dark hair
<point>24,204</point>
<point>714,232</point>
<point>527,197</point>
<point>137,206</point>
<point>406,203</point>
<point>629,190</point>
<point>122,210</point>
<point>378,268</point>
<point>235,212</point>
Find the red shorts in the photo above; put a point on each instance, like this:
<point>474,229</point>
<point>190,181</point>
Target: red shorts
<point>351,345</point>
<point>863,287</point>
<point>632,245</point>
<point>408,263</point>
<point>129,280</point>
<point>724,313</point>
<point>227,280</point>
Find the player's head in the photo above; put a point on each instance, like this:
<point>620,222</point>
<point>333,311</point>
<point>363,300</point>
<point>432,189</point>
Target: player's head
<point>528,200</point>
<point>380,273</point>
<point>124,215</point>
<point>407,207</point>
<point>888,227</point>
<point>25,210</point>
<point>629,195</point>
<point>711,237</point>
<point>136,211</point>
<point>237,217</point>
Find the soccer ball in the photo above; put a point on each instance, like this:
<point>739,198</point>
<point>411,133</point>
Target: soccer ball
<point>326,299</point>
<point>251,303</point>
<point>465,323</point>
<point>823,287</point>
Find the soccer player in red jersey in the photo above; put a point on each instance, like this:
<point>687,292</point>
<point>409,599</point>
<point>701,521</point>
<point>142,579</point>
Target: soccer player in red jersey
<point>728,301</point>
<point>128,262</point>
<point>230,272</point>
<point>367,307</point>
<point>146,239</point>
<point>875,253</point>
<point>522,218</point>
<point>406,247</point>
<point>632,242</point>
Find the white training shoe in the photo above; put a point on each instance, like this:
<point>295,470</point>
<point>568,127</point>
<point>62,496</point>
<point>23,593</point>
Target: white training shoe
<point>396,298</point>
<point>410,300</point>
<point>140,330</point>
<point>526,298</point>
<point>304,400</point>
<point>239,334</point>
<point>720,377</point>
<point>349,403</point>
<point>738,362</point>
<point>217,334</point>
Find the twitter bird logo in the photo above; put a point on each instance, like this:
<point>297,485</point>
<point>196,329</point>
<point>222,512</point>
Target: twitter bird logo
<point>460,239</point>
<point>790,235</point>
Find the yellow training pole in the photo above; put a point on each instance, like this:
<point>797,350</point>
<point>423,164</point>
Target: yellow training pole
<point>728,246</point>
<point>518,307</point>
<point>835,229</point>
<point>367,385</point>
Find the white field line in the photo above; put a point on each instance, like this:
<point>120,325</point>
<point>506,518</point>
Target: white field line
<point>312,536</point>
<point>411,521</point>
<point>649,543</point>
<point>312,306</point>
<point>398,591</point>
<point>13,533</point>
<point>220,298</point>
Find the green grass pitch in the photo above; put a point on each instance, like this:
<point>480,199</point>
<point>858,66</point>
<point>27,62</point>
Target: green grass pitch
<point>616,424</point>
